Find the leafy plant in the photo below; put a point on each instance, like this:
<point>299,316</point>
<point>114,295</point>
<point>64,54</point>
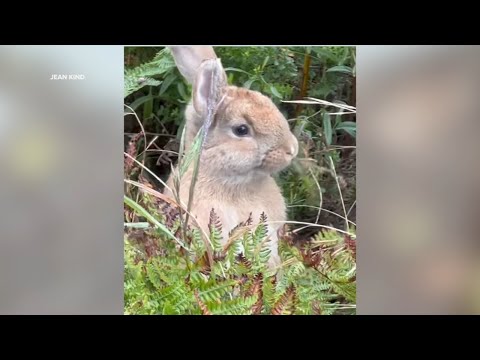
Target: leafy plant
<point>142,75</point>
<point>162,277</point>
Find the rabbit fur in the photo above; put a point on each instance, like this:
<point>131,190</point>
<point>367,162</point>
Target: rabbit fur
<point>248,141</point>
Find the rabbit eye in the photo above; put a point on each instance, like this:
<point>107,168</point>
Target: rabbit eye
<point>241,130</point>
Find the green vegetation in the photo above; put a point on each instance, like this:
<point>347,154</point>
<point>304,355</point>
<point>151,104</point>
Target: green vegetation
<point>171,269</point>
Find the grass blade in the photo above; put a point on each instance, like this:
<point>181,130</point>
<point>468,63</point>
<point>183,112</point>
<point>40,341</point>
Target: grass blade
<point>142,212</point>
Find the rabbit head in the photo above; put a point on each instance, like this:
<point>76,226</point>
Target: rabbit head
<point>248,137</point>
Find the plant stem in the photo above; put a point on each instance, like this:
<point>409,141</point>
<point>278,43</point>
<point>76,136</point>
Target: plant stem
<point>305,77</point>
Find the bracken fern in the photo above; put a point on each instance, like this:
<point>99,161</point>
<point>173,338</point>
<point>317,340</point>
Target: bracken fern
<point>163,278</point>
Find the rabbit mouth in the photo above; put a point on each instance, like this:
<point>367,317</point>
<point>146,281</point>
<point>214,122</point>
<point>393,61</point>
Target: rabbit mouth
<point>270,167</point>
<point>274,161</point>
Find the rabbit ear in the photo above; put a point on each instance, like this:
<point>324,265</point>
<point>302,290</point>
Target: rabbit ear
<point>189,58</point>
<point>208,84</point>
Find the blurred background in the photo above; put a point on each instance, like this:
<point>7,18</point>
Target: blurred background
<point>61,249</point>
<point>419,179</point>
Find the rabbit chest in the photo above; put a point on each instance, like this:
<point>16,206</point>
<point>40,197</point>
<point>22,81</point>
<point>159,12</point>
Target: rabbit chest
<point>231,215</point>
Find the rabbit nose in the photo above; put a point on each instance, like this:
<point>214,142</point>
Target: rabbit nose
<point>293,148</point>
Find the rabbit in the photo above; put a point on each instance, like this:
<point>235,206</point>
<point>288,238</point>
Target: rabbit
<point>248,141</point>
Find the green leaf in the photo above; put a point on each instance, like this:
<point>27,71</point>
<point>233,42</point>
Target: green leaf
<point>349,127</point>
<point>230,78</point>
<point>275,92</point>
<point>134,105</point>
<point>327,128</point>
<point>324,53</point>
<point>338,120</point>
<point>237,70</point>
<point>192,153</point>
<point>166,83</point>
<point>249,83</point>
<point>351,132</point>
<point>265,62</point>
<point>342,69</point>
<point>347,124</point>
<point>181,91</point>
<point>148,107</point>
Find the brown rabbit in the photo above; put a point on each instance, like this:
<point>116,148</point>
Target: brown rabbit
<point>248,141</point>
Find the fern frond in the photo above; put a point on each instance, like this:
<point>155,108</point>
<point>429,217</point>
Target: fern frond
<point>185,304</point>
<point>154,275</point>
<point>215,227</point>
<point>201,304</point>
<point>214,221</point>
<point>351,245</point>
<point>256,290</point>
<point>265,253</point>
<point>286,303</point>
<point>213,291</point>
<point>317,310</point>
<point>237,306</point>
<point>269,294</point>
<point>318,278</point>
<point>133,83</point>
<point>197,278</point>
<point>289,254</point>
<point>263,218</point>
<point>142,75</point>
<point>261,231</point>
<point>282,285</point>
<point>245,262</point>
<point>173,291</point>
<point>198,245</point>
<point>262,245</point>
<point>348,290</point>
<point>164,58</point>
<point>248,243</point>
<point>168,309</point>
<point>233,248</point>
